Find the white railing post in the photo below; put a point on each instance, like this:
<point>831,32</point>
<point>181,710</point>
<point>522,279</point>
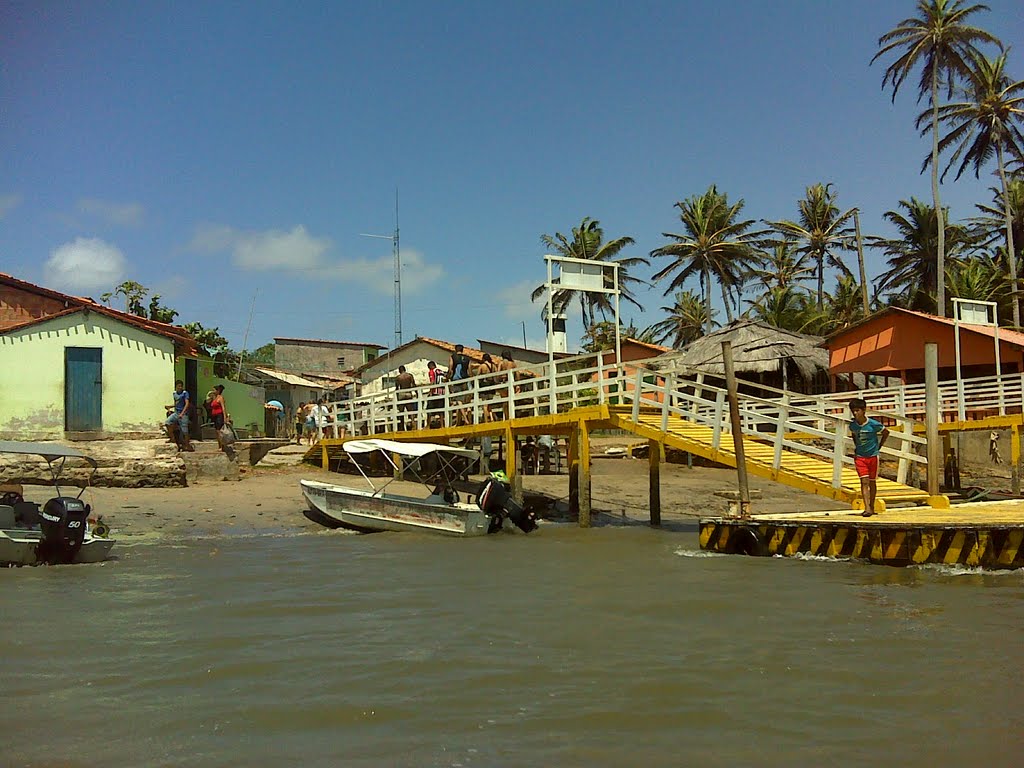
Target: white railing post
<point>665,395</point>
<point>636,396</point>
<point>600,379</point>
<point>903,467</point>
<point>837,454</point>
<point>552,396</point>
<point>718,418</point>
<point>780,432</point>
<point>475,384</point>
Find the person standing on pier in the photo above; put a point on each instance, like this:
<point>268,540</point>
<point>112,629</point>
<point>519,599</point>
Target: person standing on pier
<point>869,435</point>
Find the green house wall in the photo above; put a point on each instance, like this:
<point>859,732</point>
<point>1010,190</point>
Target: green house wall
<point>137,374</point>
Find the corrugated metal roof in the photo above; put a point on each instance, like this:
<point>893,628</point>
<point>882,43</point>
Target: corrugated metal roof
<point>290,378</point>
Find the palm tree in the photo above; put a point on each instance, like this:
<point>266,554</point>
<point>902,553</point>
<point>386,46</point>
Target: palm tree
<point>820,232</point>
<point>786,307</point>
<point>940,40</point>
<point>845,305</point>
<point>588,243</point>
<point>982,278</point>
<point>912,267</point>
<point>984,124</point>
<point>684,323</point>
<point>781,267</point>
<point>714,243</point>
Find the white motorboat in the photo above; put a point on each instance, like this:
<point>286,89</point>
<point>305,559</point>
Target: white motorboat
<point>58,532</point>
<point>441,512</point>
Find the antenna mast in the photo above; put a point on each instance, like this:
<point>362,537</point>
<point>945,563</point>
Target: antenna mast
<point>398,279</point>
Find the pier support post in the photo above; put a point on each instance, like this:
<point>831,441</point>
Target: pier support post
<point>574,473</point>
<point>584,473</point>
<point>399,467</point>
<point>737,429</point>
<point>654,451</point>
<point>931,416</point>
<point>1015,458</point>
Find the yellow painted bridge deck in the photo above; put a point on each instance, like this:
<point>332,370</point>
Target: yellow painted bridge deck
<point>799,470</point>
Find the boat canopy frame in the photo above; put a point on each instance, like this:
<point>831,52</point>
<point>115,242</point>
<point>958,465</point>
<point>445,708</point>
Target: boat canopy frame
<point>56,457</point>
<point>446,456</point>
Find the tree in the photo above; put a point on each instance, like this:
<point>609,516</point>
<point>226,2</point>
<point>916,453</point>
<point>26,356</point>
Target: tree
<point>133,294</point>
<point>263,355</point>
<point>782,266</point>
<point>601,335</point>
<point>991,224</point>
<point>981,278</point>
<point>820,231</point>
<point>685,321</point>
<point>588,243</point>
<point>942,43</point>
<point>786,307</point>
<point>714,243</point>
<point>983,124</point>
<point>911,272</point>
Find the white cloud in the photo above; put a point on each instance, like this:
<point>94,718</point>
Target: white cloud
<point>8,203</point>
<point>515,301</point>
<point>83,266</point>
<point>298,251</point>
<point>272,249</point>
<point>121,214</point>
<point>379,274</point>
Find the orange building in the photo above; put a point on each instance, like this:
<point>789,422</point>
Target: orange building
<point>891,343</point>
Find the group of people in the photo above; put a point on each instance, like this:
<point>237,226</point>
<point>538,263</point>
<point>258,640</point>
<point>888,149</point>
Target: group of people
<point>460,367</point>
<point>179,413</point>
<point>312,420</point>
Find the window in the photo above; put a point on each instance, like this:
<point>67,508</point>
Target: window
<point>341,362</point>
<point>371,354</point>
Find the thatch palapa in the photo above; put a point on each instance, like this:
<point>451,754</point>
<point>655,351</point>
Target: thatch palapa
<point>757,348</point>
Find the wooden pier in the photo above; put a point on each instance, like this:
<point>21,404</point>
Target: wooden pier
<point>976,535</point>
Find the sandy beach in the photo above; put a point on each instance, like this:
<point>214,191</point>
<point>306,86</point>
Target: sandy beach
<point>267,498</point>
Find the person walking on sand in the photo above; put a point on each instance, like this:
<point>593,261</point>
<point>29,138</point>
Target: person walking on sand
<point>868,438</point>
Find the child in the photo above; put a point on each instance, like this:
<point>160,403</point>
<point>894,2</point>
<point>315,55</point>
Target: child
<point>868,438</point>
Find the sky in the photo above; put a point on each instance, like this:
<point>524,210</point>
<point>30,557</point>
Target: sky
<point>232,156</point>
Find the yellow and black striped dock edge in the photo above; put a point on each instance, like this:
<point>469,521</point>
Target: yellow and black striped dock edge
<point>996,546</point>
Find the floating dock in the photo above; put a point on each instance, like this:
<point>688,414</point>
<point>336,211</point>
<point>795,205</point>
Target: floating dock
<point>986,535</point>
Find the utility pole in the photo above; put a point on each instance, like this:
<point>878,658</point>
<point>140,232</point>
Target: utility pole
<point>396,250</point>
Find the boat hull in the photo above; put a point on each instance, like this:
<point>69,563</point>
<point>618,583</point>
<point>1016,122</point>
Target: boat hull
<point>18,547</point>
<point>338,506</point>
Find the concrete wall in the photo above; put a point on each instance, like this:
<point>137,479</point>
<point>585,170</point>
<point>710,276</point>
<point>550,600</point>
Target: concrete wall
<point>138,376</point>
<point>244,401</point>
<point>319,356</point>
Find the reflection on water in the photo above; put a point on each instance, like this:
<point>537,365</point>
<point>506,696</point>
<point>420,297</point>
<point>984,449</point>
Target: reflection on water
<point>609,647</point>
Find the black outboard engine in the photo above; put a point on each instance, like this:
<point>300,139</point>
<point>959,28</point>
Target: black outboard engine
<point>495,498</point>
<point>62,523</point>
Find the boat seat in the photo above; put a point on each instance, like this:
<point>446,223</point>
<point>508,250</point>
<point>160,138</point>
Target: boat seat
<point>6,516</point>
<point>26,513</point>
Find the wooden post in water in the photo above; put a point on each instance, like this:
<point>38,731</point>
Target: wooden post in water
<point>654,450</point>
<point>931,416</point>
<point>737,429</point>
<point>584,470</point>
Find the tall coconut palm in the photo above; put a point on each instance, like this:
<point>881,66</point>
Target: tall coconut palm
<point>786,307</point>
<point>940,40</point>
<point>820,232</point>
<point>986,123</point>
<point>714,243</point>
<point>684,322</point>
<point>982,278</point>
<point>910,255</point>
<point>781,266</point>
<point>991,224</point>
<point>588,243</point>
<point>844,306</point>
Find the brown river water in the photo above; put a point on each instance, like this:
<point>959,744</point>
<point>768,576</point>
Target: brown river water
<point>616,646</point>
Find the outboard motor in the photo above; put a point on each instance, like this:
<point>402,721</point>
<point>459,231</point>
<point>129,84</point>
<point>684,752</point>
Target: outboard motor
<point>62,523</point>
<point>495,498</point>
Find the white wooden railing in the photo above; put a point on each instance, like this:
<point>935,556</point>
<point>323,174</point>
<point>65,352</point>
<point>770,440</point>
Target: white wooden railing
<point>812,425</point>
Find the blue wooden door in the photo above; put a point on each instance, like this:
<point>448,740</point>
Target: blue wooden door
<point>83,389</point>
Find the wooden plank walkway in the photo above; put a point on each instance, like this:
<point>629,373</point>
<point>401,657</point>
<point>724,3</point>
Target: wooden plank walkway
<point>799,470</point>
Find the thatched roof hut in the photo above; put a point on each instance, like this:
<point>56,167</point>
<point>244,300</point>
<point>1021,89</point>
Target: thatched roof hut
<point>761,352</point>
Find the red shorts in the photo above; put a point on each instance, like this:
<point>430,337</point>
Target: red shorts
<point>867,466</point>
